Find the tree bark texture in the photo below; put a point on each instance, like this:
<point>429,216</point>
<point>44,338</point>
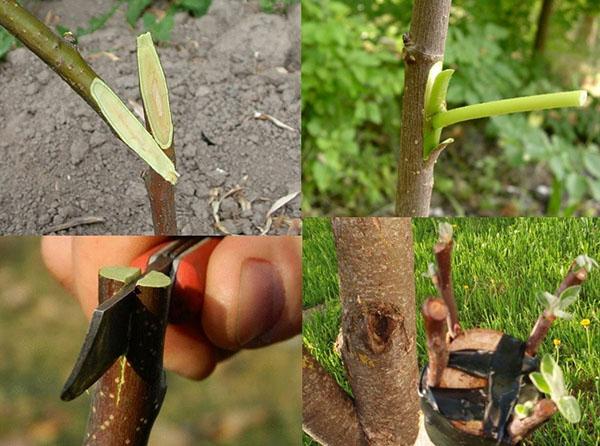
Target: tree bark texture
<point>543,24</point>
<point>424,45</point>
<point>128,397</point>
<point>375,261</point>
<point>328,413</point>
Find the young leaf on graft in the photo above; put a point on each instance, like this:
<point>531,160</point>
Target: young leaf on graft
<point>521,411</point>
<point>551,382</point>
<point>153,88</point>
<point>539,381</point>
<point>583,261</point>
<point>131,131</point>
<point>569,408</point>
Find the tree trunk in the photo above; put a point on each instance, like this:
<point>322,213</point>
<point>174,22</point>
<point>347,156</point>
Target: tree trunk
<point>375,261</point>
<point>587,34</point>
<point>328,413</point>
<point>541,35</point>
<point>424,45</point>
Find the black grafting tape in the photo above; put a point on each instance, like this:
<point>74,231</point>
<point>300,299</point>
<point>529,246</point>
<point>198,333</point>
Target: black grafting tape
<point>504,368</point>
<point>504,384</point>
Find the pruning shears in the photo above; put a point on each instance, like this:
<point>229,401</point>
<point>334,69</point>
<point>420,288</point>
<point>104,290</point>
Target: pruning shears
<point>108,335</point>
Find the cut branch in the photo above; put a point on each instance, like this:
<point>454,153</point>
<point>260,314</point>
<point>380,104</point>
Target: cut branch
<point>435,313</point>
<point>375,261</point>
<point>58,54</point>
<point>157,116</point>
<point>542,326</point>
<point>127,399</point>
<point>328,413</point>
<point>424,45</point>
<point>443,256</point>
<point>521,428</point>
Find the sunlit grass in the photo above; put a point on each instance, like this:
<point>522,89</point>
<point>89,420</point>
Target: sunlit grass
<point>499,266</point>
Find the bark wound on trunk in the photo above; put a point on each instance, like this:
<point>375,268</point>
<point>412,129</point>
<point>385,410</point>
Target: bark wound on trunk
<point>375,260</point>
<point>424,45</point>
<point>328,413</point>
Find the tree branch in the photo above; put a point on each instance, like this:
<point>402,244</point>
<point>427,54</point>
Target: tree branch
<point>128,397</point>
<point>544,322</point>
<point>328,413</point>
<point>443,256</point>
<point>375,260</point>
<point>435,313</point>
<point>58,54</point>
<point>424,45</point>
<point>521,428</point>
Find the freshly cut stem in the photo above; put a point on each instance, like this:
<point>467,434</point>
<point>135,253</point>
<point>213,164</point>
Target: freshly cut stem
<point>435,313</point>
<point>443,255</point>
<point>505,106</point>
<point>131,131</point>
<point>157,113</point>
<point>126,400</point>
<point>58,54</point>
<point>521,428</point>
<point>154,92</point>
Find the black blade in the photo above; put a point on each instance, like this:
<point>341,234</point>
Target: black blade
<point>105,341</point>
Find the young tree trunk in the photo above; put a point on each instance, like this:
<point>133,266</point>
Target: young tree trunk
<point>375,261</point>
<point>541,35</point>
<point>587,34</point>
<point>424,45</point>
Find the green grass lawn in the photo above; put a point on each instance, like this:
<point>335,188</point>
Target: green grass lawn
<point>499,267</point>
<point>251,399</point>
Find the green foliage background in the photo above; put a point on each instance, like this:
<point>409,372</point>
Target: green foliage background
<point>499,266</point>
<point>352,80</point>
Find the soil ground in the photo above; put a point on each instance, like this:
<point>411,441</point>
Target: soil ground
<point>61,162</point>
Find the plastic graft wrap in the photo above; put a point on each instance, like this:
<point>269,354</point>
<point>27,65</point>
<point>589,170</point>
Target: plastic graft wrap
<point>474,402</point>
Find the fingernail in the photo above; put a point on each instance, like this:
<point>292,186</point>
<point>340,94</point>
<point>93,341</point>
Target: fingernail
<point>261,301</point>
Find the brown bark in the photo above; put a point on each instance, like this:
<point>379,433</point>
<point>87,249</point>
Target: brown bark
<point>573,278</point>
<point>443,255</point>
<point>375,262</point>
<point>424,45</point>
<point>587,34</point>
<point>161,193</point>
<point>128,397</point>
<point>435,313</point>
<point>543,24</point>
<point>544,322</point>
<point>539,332</point>
<point>328,413</point>
<point>519,429</point>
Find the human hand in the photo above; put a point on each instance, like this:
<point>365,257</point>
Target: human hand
<point>247,295</point>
